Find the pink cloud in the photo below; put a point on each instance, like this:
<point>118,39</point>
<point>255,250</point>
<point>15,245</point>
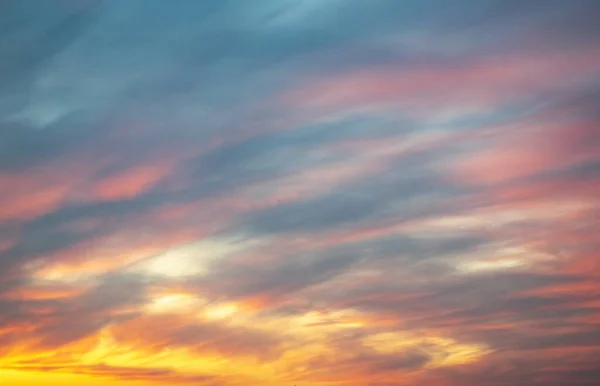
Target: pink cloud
<point>482,83</point>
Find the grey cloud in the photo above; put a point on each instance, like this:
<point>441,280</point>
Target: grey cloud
<point>561,22</point>
<point>277,280</point>
<point>315,214</point>
<point>36,245</point>
<point>294,272</point>
<point>23,147</point>
<point>389,195</point>
<point>586,338</point>
<point>445,300</point>
<point>56,231</point>
<point>266,157</point>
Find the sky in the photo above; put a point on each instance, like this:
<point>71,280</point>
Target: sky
<point>299,192</point>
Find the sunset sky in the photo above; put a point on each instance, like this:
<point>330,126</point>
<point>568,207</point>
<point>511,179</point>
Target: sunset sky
<point>299,192</point>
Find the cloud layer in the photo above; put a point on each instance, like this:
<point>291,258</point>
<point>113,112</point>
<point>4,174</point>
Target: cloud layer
<point>299,192</point>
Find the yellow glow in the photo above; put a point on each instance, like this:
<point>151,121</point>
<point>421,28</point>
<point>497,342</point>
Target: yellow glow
<point>491,265</point>
<point>192,259</point>
<point>501,258</point>
<point>448,352</point>
<point>30,378</point>
<point>173,303</point>
<point>221,311</point>
<point>444,351</point>
<point>310,334</point>
<point>131,345</point>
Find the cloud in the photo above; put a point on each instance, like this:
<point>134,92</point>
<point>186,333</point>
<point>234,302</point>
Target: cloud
<point>62,320</point>
<point>479,84</point>
<point>307,192</point>
<point>160,332</point>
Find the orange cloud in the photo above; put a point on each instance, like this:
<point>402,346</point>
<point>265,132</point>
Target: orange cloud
<point>44,292</point>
